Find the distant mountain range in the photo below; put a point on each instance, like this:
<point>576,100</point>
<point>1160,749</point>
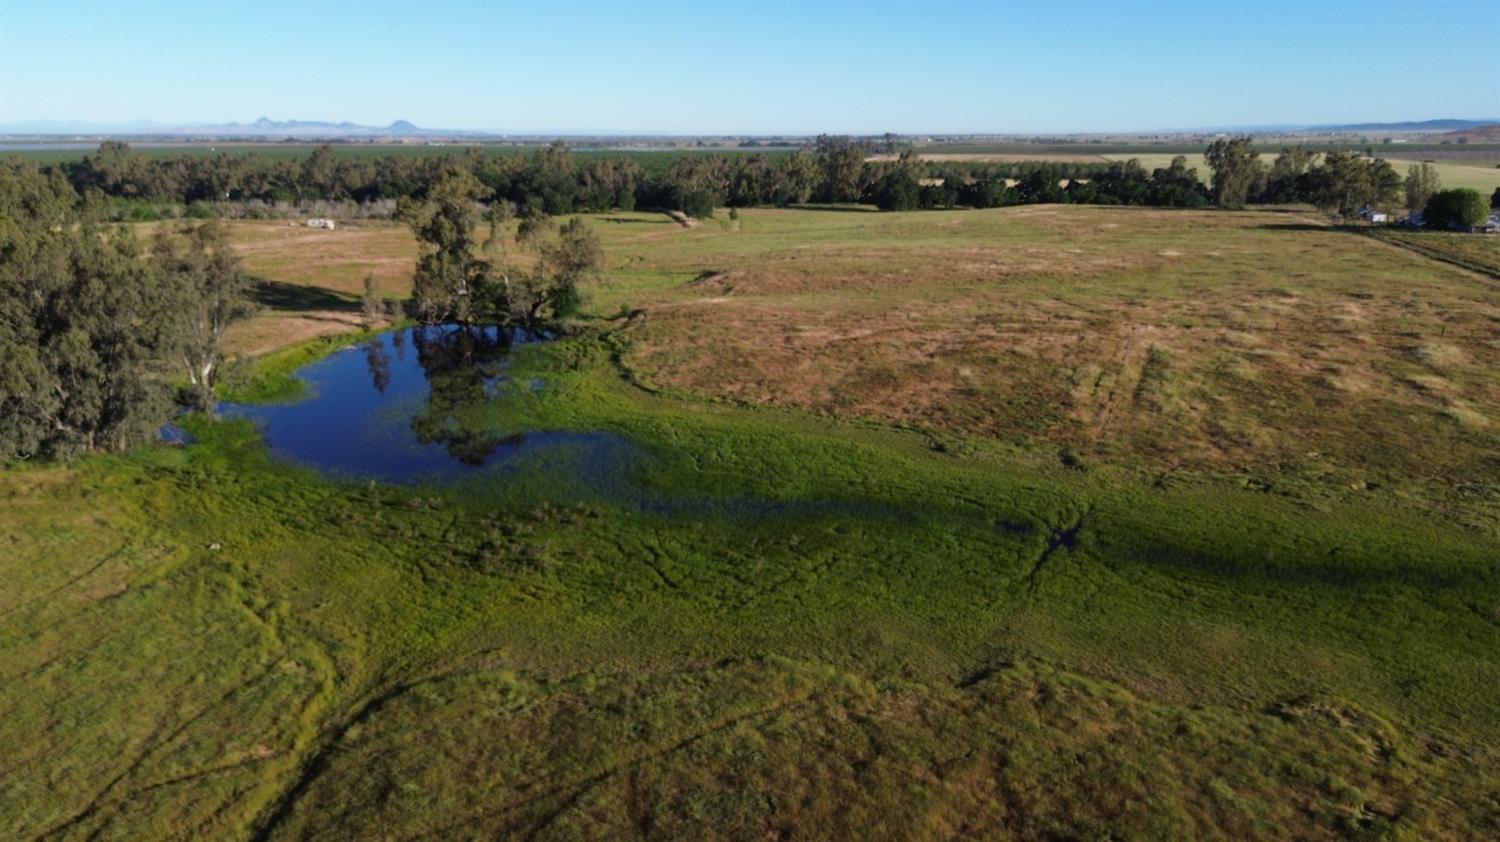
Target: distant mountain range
<point>264,128</point>
<point>268,129</point>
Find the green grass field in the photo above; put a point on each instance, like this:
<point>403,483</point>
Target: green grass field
<point>1045,522</point>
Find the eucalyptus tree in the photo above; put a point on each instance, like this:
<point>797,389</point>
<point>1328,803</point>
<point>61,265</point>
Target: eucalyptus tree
<point>1287,181</point>
<point>1422,182</point>
<point>1348,181</point>
<point>448,270</point>
<point>84,324</point>
<point>372,308</point>
<point>1237,171</point>
<point>573,257</point>
<point>795,180</point>
<point>202,274</point>
<point>841,161</point>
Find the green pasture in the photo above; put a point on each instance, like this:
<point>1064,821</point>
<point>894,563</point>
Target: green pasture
<point>923,641</point>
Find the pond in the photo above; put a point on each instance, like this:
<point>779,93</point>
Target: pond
<point>438,406</point>
<point>424,404</point>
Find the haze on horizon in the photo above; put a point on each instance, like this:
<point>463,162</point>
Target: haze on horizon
<point>752,68</point>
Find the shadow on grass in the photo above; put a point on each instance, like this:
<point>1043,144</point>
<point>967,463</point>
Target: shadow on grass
<point>279,295</point>
<point>1301,226</point>
<point>628,220</point>
<point>838,208</point>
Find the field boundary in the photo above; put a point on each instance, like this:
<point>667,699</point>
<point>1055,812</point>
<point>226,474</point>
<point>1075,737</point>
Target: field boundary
<point>1431,253</point>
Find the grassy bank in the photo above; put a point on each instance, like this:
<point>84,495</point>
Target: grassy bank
<point>923,641</point>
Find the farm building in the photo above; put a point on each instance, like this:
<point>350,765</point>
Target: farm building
<point>319,222</point>
<point>1372,215</point>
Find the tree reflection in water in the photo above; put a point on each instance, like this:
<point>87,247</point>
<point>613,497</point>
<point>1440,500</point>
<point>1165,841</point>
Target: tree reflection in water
<point>379,363</point>
<point>461,364</point>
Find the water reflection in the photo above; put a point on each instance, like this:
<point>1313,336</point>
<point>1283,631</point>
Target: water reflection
<point>379,363</point>
<point>461,367</point>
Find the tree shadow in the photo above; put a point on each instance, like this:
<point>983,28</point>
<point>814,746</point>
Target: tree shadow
<point>836,208</point>
<point>279,295</point>
<point>1301,226</point>
<point>626,220</point>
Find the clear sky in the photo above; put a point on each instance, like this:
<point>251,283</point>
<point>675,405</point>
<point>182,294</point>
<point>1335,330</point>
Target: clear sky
<point>753,67</point>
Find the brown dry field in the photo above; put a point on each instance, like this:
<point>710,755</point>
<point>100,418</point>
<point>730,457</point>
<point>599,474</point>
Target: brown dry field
<point>1257,344</point>
<point>336,261</point>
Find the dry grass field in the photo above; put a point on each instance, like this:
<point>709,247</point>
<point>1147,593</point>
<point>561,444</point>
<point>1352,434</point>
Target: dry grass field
<point>318,276</point>
<point>1258,344</point>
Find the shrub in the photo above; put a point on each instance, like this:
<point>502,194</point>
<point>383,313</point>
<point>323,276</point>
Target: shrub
<point>200,210</point>
<point>698,204</point>
<point>138,210</point>
<point>1459,208</point>
<point>898,191</point>
<point>993,193</point>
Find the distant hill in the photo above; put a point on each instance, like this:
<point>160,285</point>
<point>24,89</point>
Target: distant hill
<point>1420,126</point>
<point>263,128</point>
<point>1481,134</point>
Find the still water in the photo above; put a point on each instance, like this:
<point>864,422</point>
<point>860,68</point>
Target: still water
<point>426,404</point>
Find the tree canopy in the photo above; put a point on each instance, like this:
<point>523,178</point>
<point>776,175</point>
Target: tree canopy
<point>1421,182</point>
<point>1348,181</point>
<point>200,270</point>
<point>93,327</point>
<point>1237,171</point>
<point>448,270</point>
<point>1459,208</point>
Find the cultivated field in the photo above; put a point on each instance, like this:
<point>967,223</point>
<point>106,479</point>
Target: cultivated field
<point>1034,523</point>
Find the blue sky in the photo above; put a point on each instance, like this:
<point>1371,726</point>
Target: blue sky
<point>746,67</point>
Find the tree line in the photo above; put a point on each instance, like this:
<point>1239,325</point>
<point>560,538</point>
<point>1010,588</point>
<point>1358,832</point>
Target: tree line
<point>554,181</point>
<point>1340,182</point>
